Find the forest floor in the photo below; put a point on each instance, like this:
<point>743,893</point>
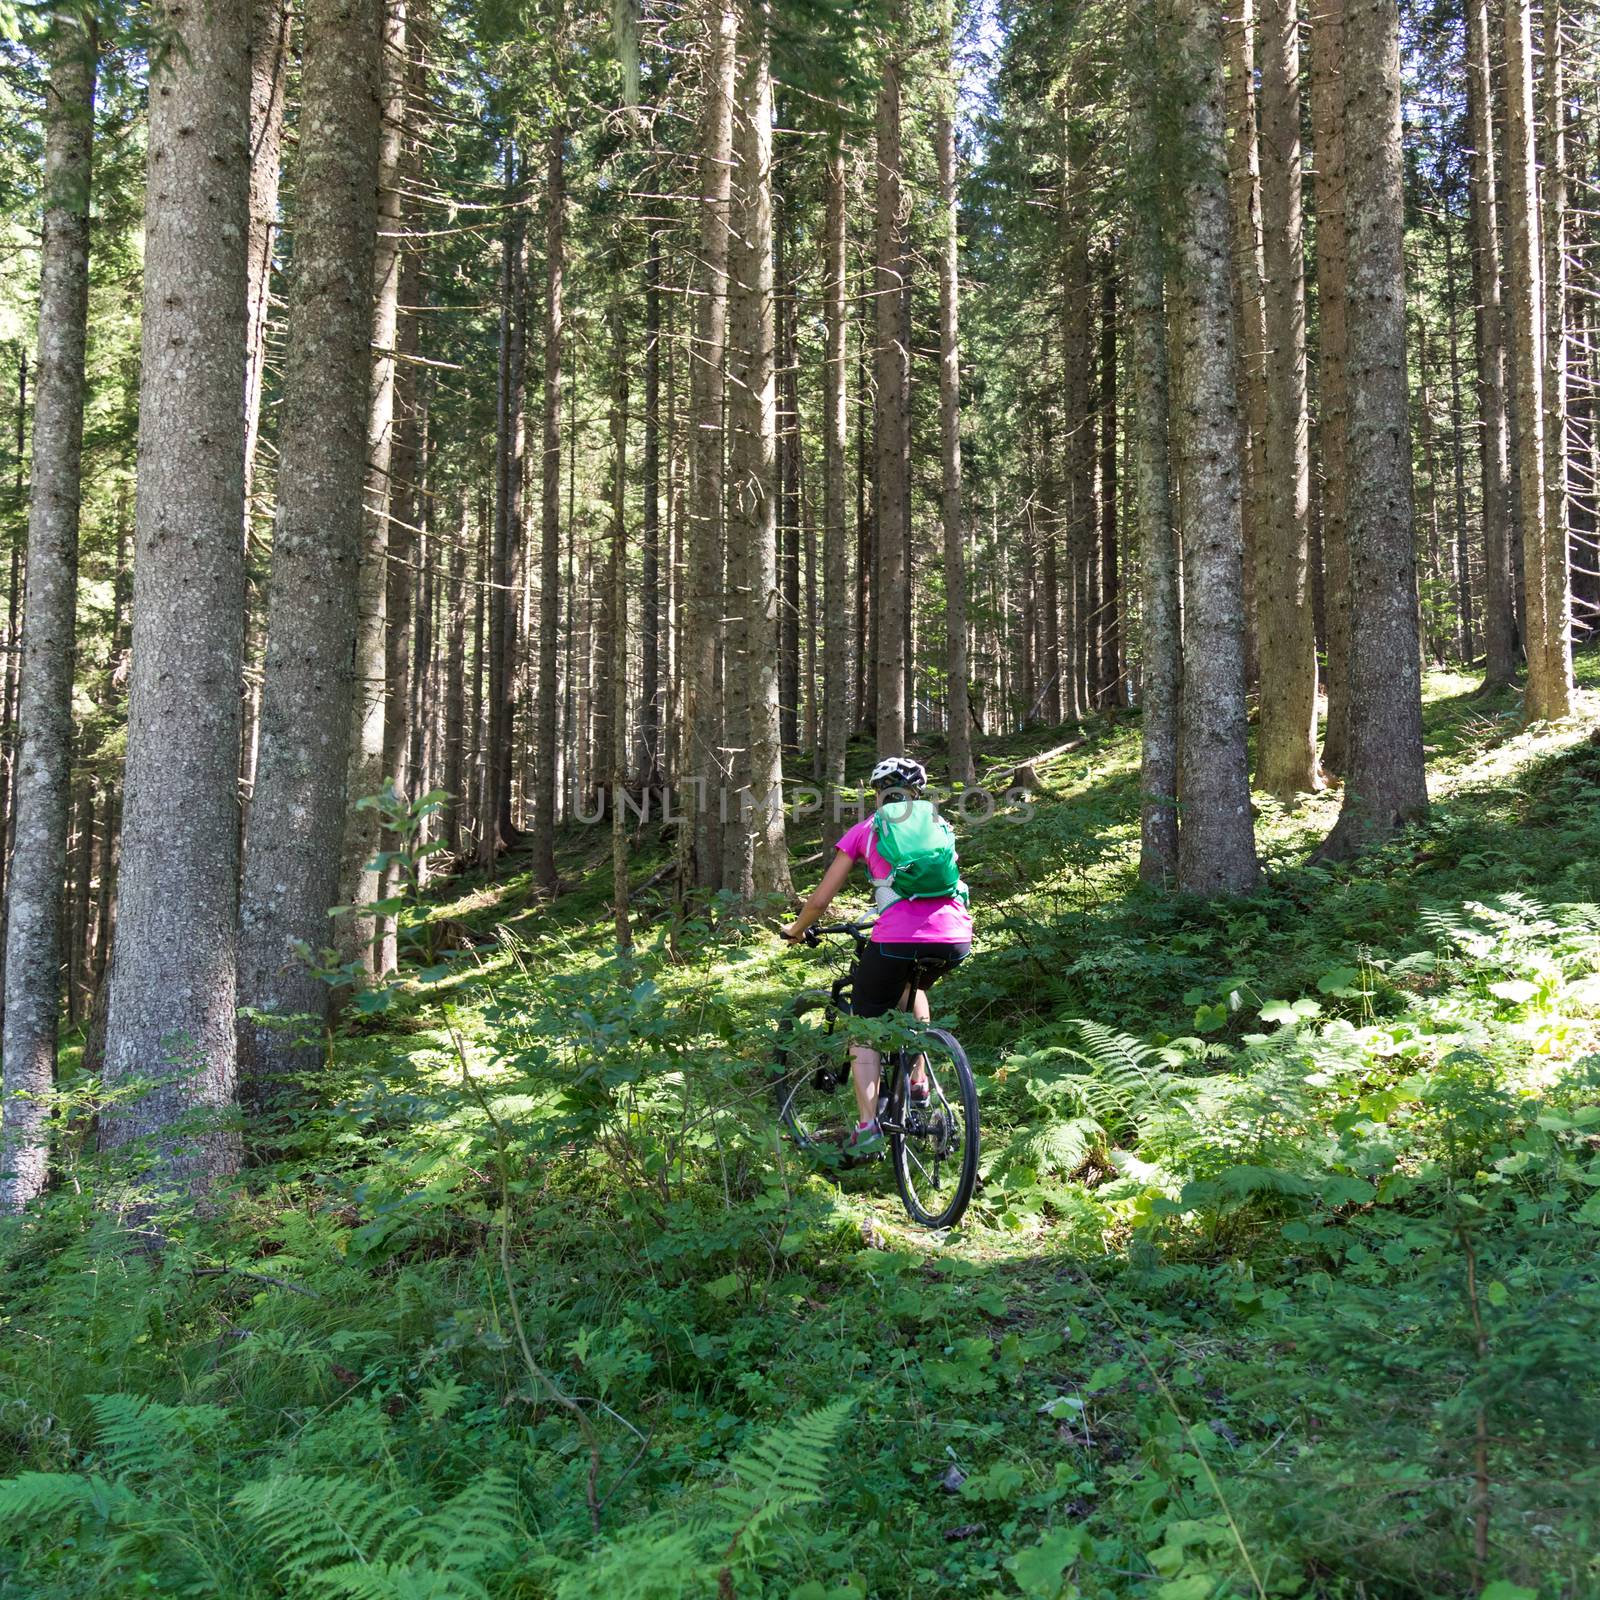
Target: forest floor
<point>1280,1280</point>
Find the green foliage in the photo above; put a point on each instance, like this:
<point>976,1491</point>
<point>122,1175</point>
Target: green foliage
<point>1260,1305</point>
<point>739,1531</point>
<point>336,1537</point>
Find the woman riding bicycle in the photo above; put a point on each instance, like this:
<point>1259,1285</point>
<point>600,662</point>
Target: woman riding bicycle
<point>930,934</point>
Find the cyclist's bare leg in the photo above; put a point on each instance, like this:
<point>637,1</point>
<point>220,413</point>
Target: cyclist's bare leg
<point>867,1073</point>
<point>917,1077</point>
<point>867,1063</point>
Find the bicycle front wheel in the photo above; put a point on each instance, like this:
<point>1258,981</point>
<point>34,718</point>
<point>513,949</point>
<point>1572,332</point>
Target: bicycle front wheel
<point>935,1147</point>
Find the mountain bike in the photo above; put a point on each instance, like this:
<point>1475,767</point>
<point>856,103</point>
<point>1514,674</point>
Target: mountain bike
<point>933,1147</point>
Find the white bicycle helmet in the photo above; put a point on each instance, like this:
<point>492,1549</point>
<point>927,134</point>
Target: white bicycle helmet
<point>898,772</point>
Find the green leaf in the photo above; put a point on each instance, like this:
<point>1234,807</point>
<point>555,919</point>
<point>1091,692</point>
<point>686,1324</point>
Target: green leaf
<point>1287,1011</point>
<point>1062,1405</point>
<point>1040,1570</point>
<point>1339,981</point>
<point>1504,1589</point>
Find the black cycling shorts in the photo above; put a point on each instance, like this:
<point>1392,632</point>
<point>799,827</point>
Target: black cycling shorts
<point>880,976</point>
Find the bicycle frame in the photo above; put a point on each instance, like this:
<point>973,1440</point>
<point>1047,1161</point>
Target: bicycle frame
<point>895,1061</point>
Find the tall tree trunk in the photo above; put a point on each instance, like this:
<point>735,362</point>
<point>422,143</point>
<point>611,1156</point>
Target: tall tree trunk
<point>753,516</point>
<point>11,674</point>
<point>1464,601</point>
<point>892,364</point>
<point>421,686</point>
<point>1286,762</point>
<point>1328,131</point>
<point>172,999</point>
<point>456,728</point>
<point>291,852</point>
<point>1499,630</point>
<point>1554,577</point>
<point>269,77</point>
<point>616,668</point>
<point>1545,634</point>
<point>80,866</point>
<point>700,853</point>
<point>836,665</point>
<point>655,575</point>
<point>1162,621</point>
<point>958,715</point>
<point>1075,500</point>
<point>504,596</point>
<point>406,551</point>
<point>44,761</point>
<point>1250,311</point>
<point>1052,652</point>
<point>789,454</point>
<point>357,933</point>
<point>1216,840</point>
<point>546,773</point>
<point>1386,784</point>
<point>1585,468</point>
<point>1108,674</point>
<point>1430,598</point>
<point>866,634</point>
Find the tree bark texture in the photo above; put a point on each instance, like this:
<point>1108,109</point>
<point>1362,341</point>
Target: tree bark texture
<point>1250,311</point>
<point>269,77</point>
<point>297,813</point>
<point>1385,785</point>
<point>1544,556</point>
<point>1161,636</point>
<point>1499,627</point>
<point>753,513</point>
<point>555,266</point>
<point>701,758</point>
<point>891,397</point>
<point>1216,835</point>
<point>835,550</point>
<point>359,885</point>
<point>172,1019</point>
<point>958,715</point>
<point>1286,757</point>
<point>40,795</point>
<point>1328,132</point>
<point>1554,577</point>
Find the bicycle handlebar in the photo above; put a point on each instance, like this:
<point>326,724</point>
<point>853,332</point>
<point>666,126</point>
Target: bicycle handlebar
<point>858,931</point>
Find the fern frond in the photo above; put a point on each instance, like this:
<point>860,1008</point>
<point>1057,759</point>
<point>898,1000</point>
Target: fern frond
<point>782,1472</point>
<point>1060,1148</point>
<point>475,1528</point>
<point>140,1435</point>
<point>383,1580</point>
<point>653,1561</point>
<point>33,1496</point>
<point>314,1523</point>
<point>1126,1083</point>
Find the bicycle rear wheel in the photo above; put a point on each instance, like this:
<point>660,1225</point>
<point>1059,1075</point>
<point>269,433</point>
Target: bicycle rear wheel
<point>811,1079</point>
<point>935,1147</point>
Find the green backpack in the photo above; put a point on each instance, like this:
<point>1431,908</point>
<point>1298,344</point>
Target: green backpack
<point>920,848</point>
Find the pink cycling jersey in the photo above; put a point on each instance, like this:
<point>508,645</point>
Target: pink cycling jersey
<point>907,921</point>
